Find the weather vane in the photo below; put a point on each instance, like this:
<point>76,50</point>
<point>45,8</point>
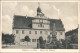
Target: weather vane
<point>38,4</point>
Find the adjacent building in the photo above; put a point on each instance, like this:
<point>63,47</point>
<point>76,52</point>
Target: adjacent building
<point>72,38</point>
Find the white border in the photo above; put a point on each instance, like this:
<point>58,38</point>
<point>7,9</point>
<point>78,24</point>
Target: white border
<point>38,50</point>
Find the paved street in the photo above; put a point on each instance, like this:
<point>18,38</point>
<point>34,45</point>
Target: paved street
<point>18,47</point>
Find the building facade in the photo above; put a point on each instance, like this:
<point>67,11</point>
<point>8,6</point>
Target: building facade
<point>72,36</point>
<point>34,27</point>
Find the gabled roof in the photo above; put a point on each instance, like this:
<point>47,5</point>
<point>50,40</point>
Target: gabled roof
<point>58,24</point>
<point>23,22</point>
<point>71,32</point>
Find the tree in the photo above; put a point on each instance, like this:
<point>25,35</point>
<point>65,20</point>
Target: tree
<point>3,38</point>
<point>11,39</point>
<point>7,38</point>
<point>74,38</point>
<point>27,39</point>
<point>63,43</point>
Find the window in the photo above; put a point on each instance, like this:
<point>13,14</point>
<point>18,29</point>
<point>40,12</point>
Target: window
<point>29,32</point>
<point>41,21</point>
<point>22,40</point>
<point>43,26</point>
<point>22,31</point>
<point>60,33</point>
<point>38,25</point>
<point>16,31</point>
<point>40,32</point>
<point>50,32</point>
<point>33,40</point>
<point>35,32</point>
<point>56,33</point>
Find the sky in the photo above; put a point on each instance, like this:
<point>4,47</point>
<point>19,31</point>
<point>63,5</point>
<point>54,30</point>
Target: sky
<point>41,0</point>
<point>66,11</point>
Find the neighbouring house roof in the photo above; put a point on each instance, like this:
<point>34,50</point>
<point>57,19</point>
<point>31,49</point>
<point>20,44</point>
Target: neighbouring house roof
<point>23,22</point>
<point>72,32</point>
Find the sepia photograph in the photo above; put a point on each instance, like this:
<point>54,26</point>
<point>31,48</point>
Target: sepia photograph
<point>39,25</point>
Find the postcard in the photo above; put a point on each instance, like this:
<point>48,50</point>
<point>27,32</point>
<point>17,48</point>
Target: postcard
<point>39,26</point>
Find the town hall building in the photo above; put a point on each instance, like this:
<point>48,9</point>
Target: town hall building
<point>37,26</point>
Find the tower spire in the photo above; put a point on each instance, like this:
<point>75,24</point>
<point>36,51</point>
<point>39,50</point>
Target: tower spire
<point>38,4</point>
<point>39,12</point>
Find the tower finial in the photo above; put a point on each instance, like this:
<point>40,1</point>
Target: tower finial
<point>38,4</point>
<point>39,12</point>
